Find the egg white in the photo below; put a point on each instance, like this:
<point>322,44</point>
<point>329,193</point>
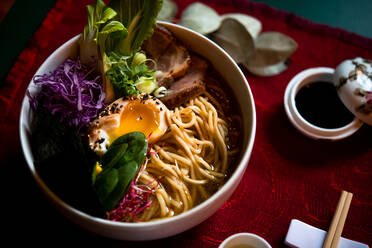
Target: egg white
<point>107,126</point>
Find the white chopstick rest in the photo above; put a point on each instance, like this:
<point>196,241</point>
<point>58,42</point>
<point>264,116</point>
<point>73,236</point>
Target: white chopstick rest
<point>302,235</point>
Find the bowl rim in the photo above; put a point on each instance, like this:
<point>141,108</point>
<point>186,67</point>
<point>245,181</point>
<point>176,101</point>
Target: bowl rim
<point>240,168</point>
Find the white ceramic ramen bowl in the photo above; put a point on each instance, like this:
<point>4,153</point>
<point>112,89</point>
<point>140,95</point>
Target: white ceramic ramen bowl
<point>170,226</point>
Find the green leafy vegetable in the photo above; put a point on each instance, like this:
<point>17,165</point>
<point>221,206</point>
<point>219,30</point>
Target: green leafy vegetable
<point>112,184</point>
<point>120,164</point>
<point>98,14</point>
<point>117,32</point>
<point>109,34</point>
<point>123,67</point>
<point>130,75</point>
<point>108,37</point>
<point>139,16</point>
<point>131,146</point>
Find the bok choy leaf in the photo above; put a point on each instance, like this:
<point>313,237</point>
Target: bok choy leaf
<point>119,46</point>
<point>113,37</point>
<point>139,17</point>
<point>98,15</point>
<point>108,37</point>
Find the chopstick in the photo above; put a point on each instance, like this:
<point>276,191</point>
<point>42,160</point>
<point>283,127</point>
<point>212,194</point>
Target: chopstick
<point>338,221</point>
<point>342,220</point>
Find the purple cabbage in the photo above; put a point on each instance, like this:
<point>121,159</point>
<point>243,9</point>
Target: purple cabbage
<point>73,92</point>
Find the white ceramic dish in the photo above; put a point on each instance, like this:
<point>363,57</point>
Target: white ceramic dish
<point>245,240</point>
<point>171,226</point>
<point>303,235</point>
<point>303,78</point>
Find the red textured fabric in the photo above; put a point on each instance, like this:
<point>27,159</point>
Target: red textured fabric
<point>289,176</point>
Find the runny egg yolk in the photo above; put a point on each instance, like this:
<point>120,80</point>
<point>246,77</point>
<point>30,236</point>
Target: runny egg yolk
<point>137,116</point>
<point>140,113</point>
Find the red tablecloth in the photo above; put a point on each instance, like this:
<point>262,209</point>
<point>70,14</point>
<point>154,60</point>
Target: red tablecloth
<point>289,176</point>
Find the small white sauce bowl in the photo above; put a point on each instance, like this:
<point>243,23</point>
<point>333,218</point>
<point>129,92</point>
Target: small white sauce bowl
<point>303,78</point>
<point>248,239</point>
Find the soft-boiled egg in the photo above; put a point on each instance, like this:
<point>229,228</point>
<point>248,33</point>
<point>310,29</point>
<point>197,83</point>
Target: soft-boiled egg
<point>141,113</point>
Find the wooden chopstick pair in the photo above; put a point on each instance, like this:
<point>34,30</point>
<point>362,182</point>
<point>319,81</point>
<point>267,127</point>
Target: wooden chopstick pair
<point>338,221</point>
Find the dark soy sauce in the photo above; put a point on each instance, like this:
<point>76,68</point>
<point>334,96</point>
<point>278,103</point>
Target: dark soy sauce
<point>319,104</point>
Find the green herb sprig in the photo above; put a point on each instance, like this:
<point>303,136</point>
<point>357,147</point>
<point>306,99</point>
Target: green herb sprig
<point>129,75</point>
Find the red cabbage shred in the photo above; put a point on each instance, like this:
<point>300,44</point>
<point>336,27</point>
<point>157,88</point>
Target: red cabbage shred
<point>73,92</point>
<point>137,199</point>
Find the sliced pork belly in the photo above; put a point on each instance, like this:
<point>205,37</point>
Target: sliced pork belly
<point>171,58</point>
<point>198,64</point>
<point>189,86</point>
<point>157,44</point>
<point>182,91</point>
